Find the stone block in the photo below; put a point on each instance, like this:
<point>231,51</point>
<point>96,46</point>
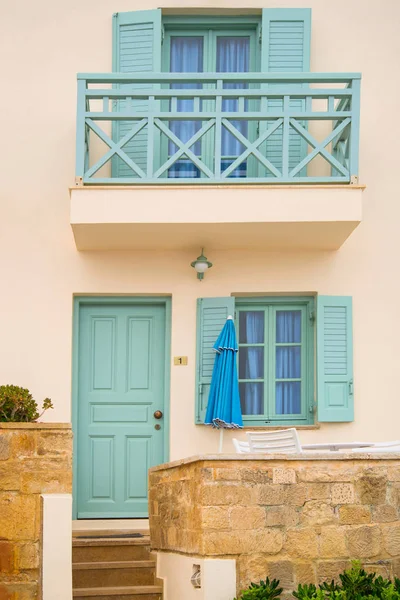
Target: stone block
<point>284,476</point>
<point>24,443</point>
<point>332,543</point>
<point>364,541</point>
<point>384,513</point>
<point>54,443</point>
<point>41,482</point>
<point>278,516</point>
<point>10,477</point>
<point>6,558</point>
<point>225,494</point>
<point>331,569</point>
<point>269,541</point>
<point>328,473</point>
<point>270,494</point>
<point>227,474</point>
<point>311,474</point>
<point>371,488</point>
<point>391,536</point>
<point>301,542</point>
<point>19,516</point>
<point>295,495</point>
<point>215,517</point>
<point>318,491</point>
<point>4,445</point>
<point>393,473</point>
<point>316,512</point>
<point>394,494</point>
<point>225,543</point>
<point>283,570</point>
<point>342,493</point>
<point>251,567</point>
<point>305,573</point>
<point>354,514</point>
<point>259,475</point>
<point>28,556</point>
<point>247,517</point>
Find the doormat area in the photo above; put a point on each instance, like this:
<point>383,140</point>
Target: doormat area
<point>113,536</point>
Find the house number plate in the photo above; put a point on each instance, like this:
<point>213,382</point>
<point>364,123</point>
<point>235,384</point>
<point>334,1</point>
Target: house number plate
<point>180,361</point>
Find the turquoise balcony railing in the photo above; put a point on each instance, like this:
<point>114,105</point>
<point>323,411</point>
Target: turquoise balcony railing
<point>217,128</point>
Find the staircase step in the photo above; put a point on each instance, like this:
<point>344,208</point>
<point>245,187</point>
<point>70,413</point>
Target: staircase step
<point>114,549</point>
<point>146,592</point>
<point>113,573</point>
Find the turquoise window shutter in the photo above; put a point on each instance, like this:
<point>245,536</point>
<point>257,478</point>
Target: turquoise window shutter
<point>136,49</point>
<point>285,48</point>
<point>335,359</point>
<point>211,316</point>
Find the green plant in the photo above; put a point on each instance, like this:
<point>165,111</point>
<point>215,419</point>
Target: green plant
<point>265,590</point>
<point>18,405</point>
<point>355,584</point>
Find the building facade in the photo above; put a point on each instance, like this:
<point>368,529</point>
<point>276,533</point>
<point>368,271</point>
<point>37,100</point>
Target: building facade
<point>105,205</point>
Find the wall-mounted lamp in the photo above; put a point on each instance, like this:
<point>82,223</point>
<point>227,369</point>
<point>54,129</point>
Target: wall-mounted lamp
<point>201,264</point>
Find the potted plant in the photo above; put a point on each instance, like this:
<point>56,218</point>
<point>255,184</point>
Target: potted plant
<point>18,405</point>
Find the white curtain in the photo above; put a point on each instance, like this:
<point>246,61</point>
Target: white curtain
<point>233,55</point>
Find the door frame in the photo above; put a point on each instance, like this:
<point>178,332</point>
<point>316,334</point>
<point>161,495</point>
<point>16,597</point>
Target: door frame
<point>78,302</point>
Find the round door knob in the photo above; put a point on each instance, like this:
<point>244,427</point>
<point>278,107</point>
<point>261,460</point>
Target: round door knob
<point>158,414</point>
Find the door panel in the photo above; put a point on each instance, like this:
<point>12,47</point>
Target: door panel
<point>121,385</point>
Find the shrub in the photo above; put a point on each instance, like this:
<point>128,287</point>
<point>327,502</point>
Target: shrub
<point>355,584</point>
<point>18,405</point>
<point>265,590</point>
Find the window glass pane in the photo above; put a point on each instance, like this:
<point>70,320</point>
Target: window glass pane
<point>251,363</point>
<point>251,327</point>
<point>288,326</point>
<point>186,57</point>
<point>233,56</point>
<point>288,398</point>
<point>288,362</point>
<point>252,398</point>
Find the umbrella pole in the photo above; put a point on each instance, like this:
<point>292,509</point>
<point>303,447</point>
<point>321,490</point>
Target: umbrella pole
<point>221,439</point>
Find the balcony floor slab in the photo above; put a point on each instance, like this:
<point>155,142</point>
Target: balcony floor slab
<point>218,217</point>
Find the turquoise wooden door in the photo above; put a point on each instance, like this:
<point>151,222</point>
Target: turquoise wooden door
<point>120,387</point>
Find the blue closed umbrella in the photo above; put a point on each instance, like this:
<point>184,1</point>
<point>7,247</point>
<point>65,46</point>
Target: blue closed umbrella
<point>223,409</point>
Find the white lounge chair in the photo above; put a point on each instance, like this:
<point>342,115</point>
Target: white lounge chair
<point>241,447</point>
<point>269,442</point>
<point>393,446</point>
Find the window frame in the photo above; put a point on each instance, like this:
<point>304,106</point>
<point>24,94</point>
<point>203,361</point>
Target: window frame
<point>307,305</point>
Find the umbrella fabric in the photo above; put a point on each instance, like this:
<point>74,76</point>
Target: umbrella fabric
<point>223,409</point>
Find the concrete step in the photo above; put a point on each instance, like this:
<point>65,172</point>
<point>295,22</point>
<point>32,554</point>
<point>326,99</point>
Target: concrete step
<point>110,549</point>
<point>146,592</point>
<point>113,573</point>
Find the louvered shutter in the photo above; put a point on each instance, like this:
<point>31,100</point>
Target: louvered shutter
<point>137,49</point>
<point>335,359</point>
<point>211,316</point>
<point>285,48</point>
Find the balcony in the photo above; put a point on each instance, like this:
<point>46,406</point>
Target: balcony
<point>143,140</point>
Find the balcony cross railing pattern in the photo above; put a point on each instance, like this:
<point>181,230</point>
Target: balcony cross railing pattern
<point>291,119</point>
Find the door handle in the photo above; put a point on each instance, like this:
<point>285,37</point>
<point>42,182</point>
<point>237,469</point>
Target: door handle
<point>158,414</point>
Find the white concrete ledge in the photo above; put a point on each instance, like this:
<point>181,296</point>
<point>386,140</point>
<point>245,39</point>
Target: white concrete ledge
<point>222,217</point>
<point>305,456</point>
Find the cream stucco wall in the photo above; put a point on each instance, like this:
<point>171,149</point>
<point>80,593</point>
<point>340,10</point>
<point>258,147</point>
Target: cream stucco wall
<point>43,45</point>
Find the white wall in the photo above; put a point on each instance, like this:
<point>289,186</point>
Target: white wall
<point>56,547</point>
<point>44,44</point>
<point>218,577</point>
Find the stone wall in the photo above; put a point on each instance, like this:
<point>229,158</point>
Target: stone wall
<point>297,520</point>
<point>35,458</point>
